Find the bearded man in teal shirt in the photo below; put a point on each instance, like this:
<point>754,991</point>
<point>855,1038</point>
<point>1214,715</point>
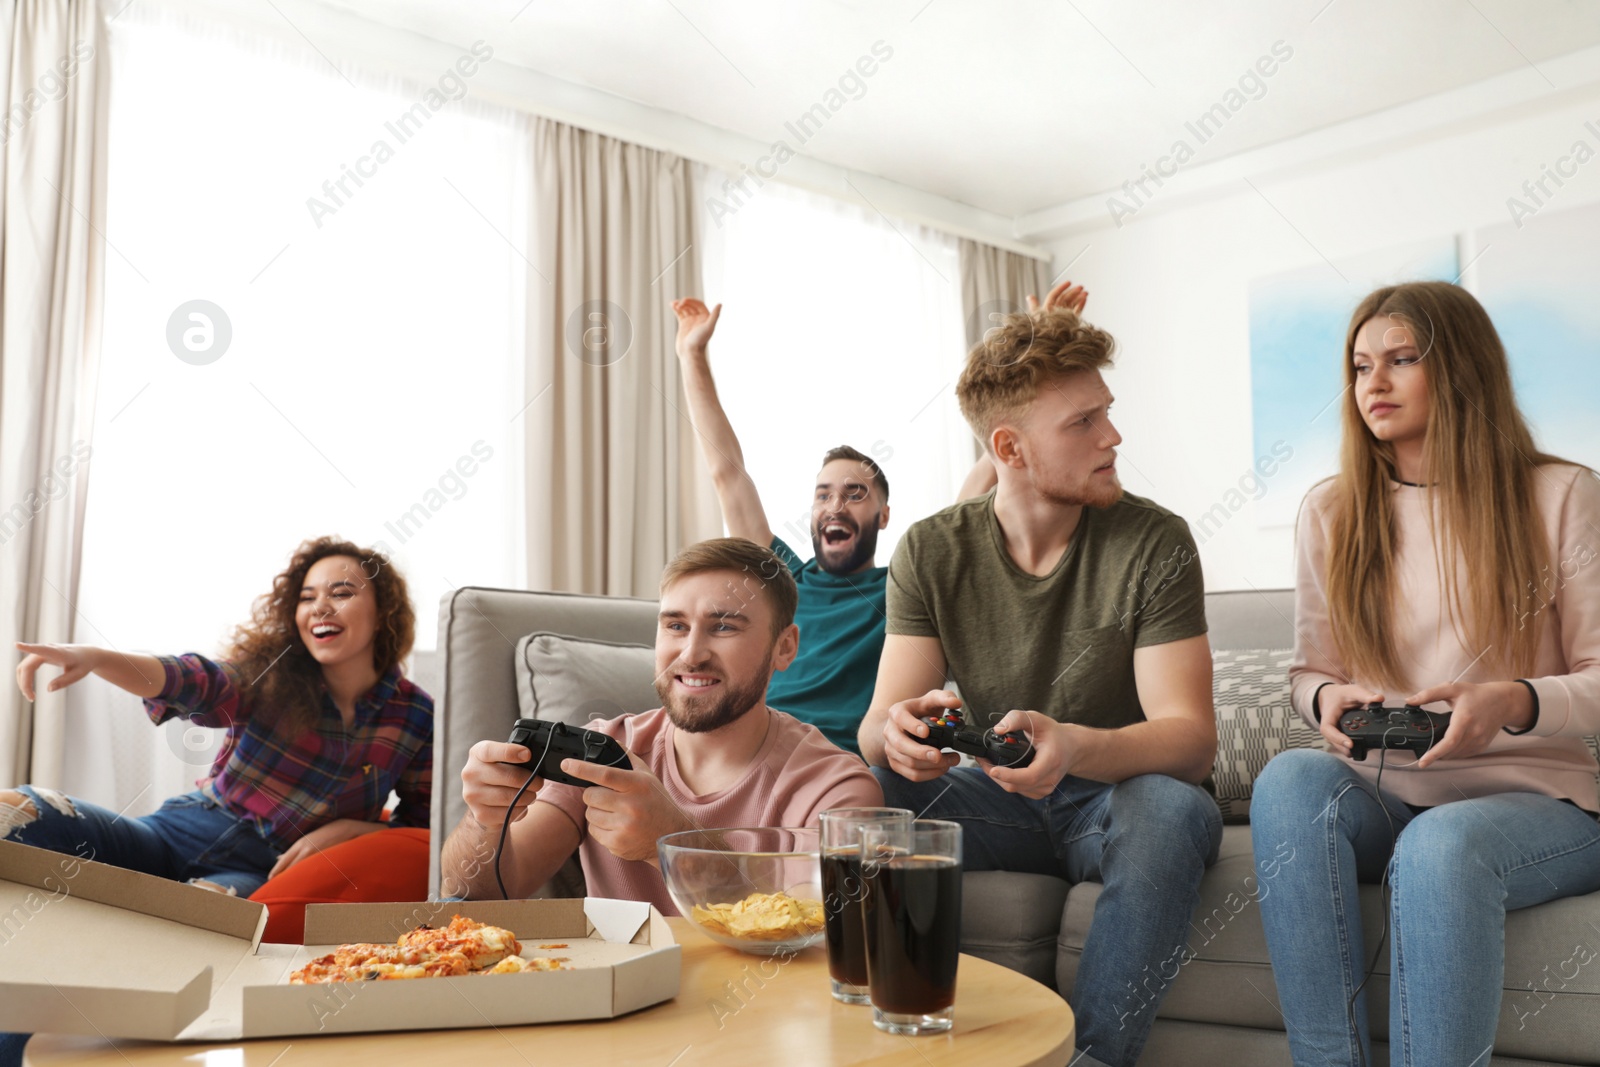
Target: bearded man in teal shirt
<point>841,611</point>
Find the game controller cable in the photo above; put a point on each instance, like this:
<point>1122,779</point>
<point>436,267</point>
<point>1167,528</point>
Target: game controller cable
<point>1384,891</point>
<point>505,826</point>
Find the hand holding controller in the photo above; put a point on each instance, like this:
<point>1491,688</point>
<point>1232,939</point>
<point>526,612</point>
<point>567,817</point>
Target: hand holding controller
<point>552,742</point>
<point>947,729</point>
<point>1409,728</point>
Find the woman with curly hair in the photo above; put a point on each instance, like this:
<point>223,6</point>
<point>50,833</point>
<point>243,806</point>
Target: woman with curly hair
<point>321,725</point>
<point>1448,565</point>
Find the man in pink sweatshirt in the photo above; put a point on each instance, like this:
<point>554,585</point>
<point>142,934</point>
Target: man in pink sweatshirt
<point>713,755</point>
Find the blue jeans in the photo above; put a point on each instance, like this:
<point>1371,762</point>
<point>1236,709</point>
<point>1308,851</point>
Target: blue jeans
<point>1454,872</point>
<point>191,837</point>
<point>1147,840</point>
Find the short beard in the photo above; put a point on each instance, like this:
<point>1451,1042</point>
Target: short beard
<point>1087,495</point>
<point>1104,498</point>
<point>866,548</point>
<point>694,715</point>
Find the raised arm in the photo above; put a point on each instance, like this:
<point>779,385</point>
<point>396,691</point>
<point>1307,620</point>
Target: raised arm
<point>741,504</point>
<point>1065,295</point>
<point>980,479</point>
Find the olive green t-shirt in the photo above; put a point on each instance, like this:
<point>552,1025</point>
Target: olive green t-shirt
<point>1062,643</point>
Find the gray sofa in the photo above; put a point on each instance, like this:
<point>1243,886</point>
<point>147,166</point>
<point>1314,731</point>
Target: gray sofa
<point>1222,1008</point>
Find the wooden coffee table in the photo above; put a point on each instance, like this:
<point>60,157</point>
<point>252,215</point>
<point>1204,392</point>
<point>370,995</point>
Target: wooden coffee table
<point>726,1012</point>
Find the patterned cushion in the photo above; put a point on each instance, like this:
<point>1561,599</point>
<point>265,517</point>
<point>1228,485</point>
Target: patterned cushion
<point>1254,722</point>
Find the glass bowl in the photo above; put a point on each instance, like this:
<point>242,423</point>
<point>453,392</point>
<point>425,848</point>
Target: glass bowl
<point>756,889</point>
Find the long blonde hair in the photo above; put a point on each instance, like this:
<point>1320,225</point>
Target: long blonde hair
<point>1477,439</point>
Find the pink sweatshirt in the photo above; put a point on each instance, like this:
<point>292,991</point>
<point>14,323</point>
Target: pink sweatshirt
<point>795,776</point>
<point>1552,758</point>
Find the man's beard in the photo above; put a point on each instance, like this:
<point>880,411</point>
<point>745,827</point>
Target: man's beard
<point>1090,493</point>
<point>865,548</point>
<point>701,714</point>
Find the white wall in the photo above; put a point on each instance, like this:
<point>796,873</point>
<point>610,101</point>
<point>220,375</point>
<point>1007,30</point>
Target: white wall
<point>1172,285</point>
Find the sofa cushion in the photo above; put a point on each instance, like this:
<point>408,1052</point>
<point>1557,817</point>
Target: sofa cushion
<point>577,680</point>
<point>1255,722</point>
<point>1013,919</point>
<point>387,865</point>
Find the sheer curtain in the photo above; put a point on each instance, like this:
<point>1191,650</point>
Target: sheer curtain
<point>369,382</point>
<point>839,326</point>
<point>52,255</point>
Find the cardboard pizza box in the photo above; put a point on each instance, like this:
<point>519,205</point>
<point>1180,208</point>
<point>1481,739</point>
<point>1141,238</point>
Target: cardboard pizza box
<point>86,948</point>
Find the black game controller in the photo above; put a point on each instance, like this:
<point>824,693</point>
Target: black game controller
<point>1375,726</point>
<point>552,742</point>
<point>948,730</point>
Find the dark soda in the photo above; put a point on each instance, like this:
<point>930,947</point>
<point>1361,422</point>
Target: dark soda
<point>912,912</point>
<point>842,890</point>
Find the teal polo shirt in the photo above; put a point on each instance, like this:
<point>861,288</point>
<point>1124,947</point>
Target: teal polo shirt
<point>841,619</point>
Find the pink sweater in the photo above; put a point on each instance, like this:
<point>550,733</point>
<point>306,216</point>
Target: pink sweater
<point>1552,758</point>
<point>796,776</point>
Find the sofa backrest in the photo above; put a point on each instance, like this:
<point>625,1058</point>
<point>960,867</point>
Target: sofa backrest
<point>1251,618</point>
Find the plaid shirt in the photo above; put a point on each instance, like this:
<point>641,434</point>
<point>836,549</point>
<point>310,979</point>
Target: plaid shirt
<point>288,788</point>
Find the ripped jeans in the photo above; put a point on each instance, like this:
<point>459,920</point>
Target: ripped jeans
<point>191,838</point>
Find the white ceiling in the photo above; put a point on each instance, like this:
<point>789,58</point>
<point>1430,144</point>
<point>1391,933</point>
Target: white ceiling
<point>1018,106</point>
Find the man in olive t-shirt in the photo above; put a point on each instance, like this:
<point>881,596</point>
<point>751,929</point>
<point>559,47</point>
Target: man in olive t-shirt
<point>1068,610</point>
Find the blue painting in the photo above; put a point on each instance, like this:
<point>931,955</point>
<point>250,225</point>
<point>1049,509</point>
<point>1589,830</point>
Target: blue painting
<point>1297,326</point>
<point>1538,283</point>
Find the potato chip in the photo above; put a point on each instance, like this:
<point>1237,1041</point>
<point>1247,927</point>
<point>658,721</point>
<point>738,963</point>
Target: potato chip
<point>762,917</point>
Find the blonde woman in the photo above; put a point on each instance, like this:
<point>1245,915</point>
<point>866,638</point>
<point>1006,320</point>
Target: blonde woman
<point>1449,564</point>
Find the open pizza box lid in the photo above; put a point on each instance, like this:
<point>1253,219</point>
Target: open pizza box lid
<point>86,948</point>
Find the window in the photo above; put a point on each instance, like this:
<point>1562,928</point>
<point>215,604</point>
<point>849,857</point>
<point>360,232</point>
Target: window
<point>357,241</point>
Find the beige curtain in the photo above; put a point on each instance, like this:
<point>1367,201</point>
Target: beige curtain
<point>52,218</point>
<point>995,282</point>
<point>615,483</point>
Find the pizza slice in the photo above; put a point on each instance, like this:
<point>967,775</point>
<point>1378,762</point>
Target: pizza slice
<point>360,962</point>
<point>482,945</point>
<point>463,947</point>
